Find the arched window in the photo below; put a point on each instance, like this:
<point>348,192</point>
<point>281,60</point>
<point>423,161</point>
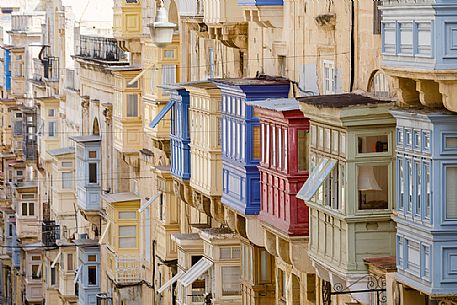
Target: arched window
<point>380,84</point>
<point>96,128</point>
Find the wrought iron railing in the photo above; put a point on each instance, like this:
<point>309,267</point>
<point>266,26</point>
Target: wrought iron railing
<point>124,269</point>
<point>100,48</point>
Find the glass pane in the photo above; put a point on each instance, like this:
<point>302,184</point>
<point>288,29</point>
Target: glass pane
<point>428,194</point>
<point>264,266</point>
<point>451,192</point>
<point>92,173</point>
<point>401,184</point>
<point>451,142</point>
<point>31,209</point>
<point>417,169</point>
<point>127,215</point>
<point>92,275</point>
<point>302,150</point>
<point>256,143</point>
<point>373,182</point>
<point>92,258</point>
<point>92,154</point>
<point>127,242</point>
<point>373,144</point>
<point>127,231</point>
<point>231,278</point>
<point>132,105</point>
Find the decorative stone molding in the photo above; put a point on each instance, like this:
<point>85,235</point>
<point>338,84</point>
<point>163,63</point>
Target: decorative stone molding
<point>326,21</point>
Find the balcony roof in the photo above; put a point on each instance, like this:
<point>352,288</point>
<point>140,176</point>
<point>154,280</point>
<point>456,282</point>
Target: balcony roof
<point>341,100</point>
<point>61,151</point>
<point>33,246</point>
<point>257,81</point>
<point>85,139</point>
<point>120,197</point>
<point>86,242</point>
<point>385,264</point>
<point>218,234</point>
<point>279,104</point>
<point>26,184</point>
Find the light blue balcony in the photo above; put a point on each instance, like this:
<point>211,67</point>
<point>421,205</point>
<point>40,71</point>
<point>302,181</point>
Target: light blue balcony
<point>419,34</point>
<point>7,70</point>
<point>88,272</point>
<point>241,139</point>
<point>87,171</point>
<point>426,203</point>
<point>261,2</point>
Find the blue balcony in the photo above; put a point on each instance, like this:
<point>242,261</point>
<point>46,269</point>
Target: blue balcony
<point>241,139</point>
<point>426,209</point>
<point>88,273</point>
<point>88,169</point>
<point>419,35</point>
<point>261,2</point>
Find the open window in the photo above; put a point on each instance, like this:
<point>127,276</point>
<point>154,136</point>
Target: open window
<point>373,144</point>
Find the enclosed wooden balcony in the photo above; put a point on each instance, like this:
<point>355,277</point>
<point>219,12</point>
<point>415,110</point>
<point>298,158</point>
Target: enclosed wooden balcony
<point>127,22</point>
<point>124,269</point>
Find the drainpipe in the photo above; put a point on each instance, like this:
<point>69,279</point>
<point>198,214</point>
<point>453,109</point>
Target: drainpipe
<point>352,47</point>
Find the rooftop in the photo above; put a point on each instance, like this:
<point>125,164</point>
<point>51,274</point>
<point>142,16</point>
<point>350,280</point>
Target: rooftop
<point>61,151</point>
<point>341,100</point>
<point>218,233</point>
<point>387,264</point>
<point>279,104</point>
<point>86,242</point>
<point>120,197</point>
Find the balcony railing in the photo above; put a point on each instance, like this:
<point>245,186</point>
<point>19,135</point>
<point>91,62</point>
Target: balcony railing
<point>50,233</point>
<point>124,269</point>
<point>51,68</point>
<point>100,48</point>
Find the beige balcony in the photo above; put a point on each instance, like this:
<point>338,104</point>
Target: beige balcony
<point>124,269</point>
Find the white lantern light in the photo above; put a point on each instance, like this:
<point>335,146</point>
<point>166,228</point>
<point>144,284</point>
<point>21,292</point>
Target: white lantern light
<point>161,29</point>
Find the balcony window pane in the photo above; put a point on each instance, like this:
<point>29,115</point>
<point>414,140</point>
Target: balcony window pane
<point>92,258</point>
<point>409,168</point>
<point>92,275</point>
<point>451,192</point>
<point>428,194</point>
<point>302,150</point>
<point>231,278</point>
<point>36,274</point>
<point>93,173</point>
<point>70,265</point>
<point>31,209</point>
<point>52,129</point>
<point>132,105</point>
<point>373,182</point>
<point>67,180</point>
<point>417,169</point>
<point>256,143</point>
<point>51,113</point>
<point>401,184</point>
<point>168,74</point>
<point>127,215</point>
<point>451,142</point>
<point>265,266</point>
<point>53,276</point>
<point>373,144</point>
<point>24,209</point>
<point>273,146</point>
<point>127,236</point>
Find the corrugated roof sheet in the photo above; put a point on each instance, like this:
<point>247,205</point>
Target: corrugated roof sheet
<point>279,104</point>
<point>340,100</point>
<point>61,151</point>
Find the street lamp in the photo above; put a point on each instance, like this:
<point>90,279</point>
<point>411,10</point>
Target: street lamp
<point>161,30</point>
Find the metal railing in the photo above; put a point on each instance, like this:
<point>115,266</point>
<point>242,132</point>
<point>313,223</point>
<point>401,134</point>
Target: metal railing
<point>100,48</point>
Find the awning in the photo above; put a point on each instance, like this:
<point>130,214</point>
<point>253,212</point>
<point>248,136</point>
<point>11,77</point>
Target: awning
<point>195,271</point>
<point>149,202</point>
<point>78,274</point>
<point>54,262</point>
<point>170,282</point>
<point>102,238</point>
<point>161,114</point>
<point>316,179</point>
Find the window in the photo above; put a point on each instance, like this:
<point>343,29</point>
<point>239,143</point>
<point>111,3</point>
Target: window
<point>329,77</point>
<point>53,276</point>
<point>28,196</point>
<point>92,258</point>
<point>256,145</point>
<point>231,278</point>
<point>302,150</point>
<point>400,138</point>
<point>127,236</point>
<point>373,144</point>
<point>51,129</point>
<point>408,137</point>
<point>451,142</point>
<point>28,209</point>
<point>409,168</point>
<point>93,173</point>
<point>373,186</point>
<point>229,253</point>
<point>265,266</point>
<point>92,275</point>
<point>147,234</point>
<point>161,210</point>
<point>51,113</point>
<point>282,284</point>
<point>168,74</point>
<point>401,184</point>
<point>377,17</point>
<point>67,164</point>
<point>211,62</point>
<point>417,169</point>
<point>428,192</point>
<point>426,140</point>
<point>282,65</point>
<point>169,54</point>
<point>132,85</point>
<point>273,146</point>
<point>132,105</point>
<point>127,215</point>
<point>67,180</point>
<point>70,265</point>
<point>92,154</point>
<point>18,115</point>
<point>36,272</point>
<point>451,192</point>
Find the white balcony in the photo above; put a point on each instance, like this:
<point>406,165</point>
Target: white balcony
<point>124,269</point>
